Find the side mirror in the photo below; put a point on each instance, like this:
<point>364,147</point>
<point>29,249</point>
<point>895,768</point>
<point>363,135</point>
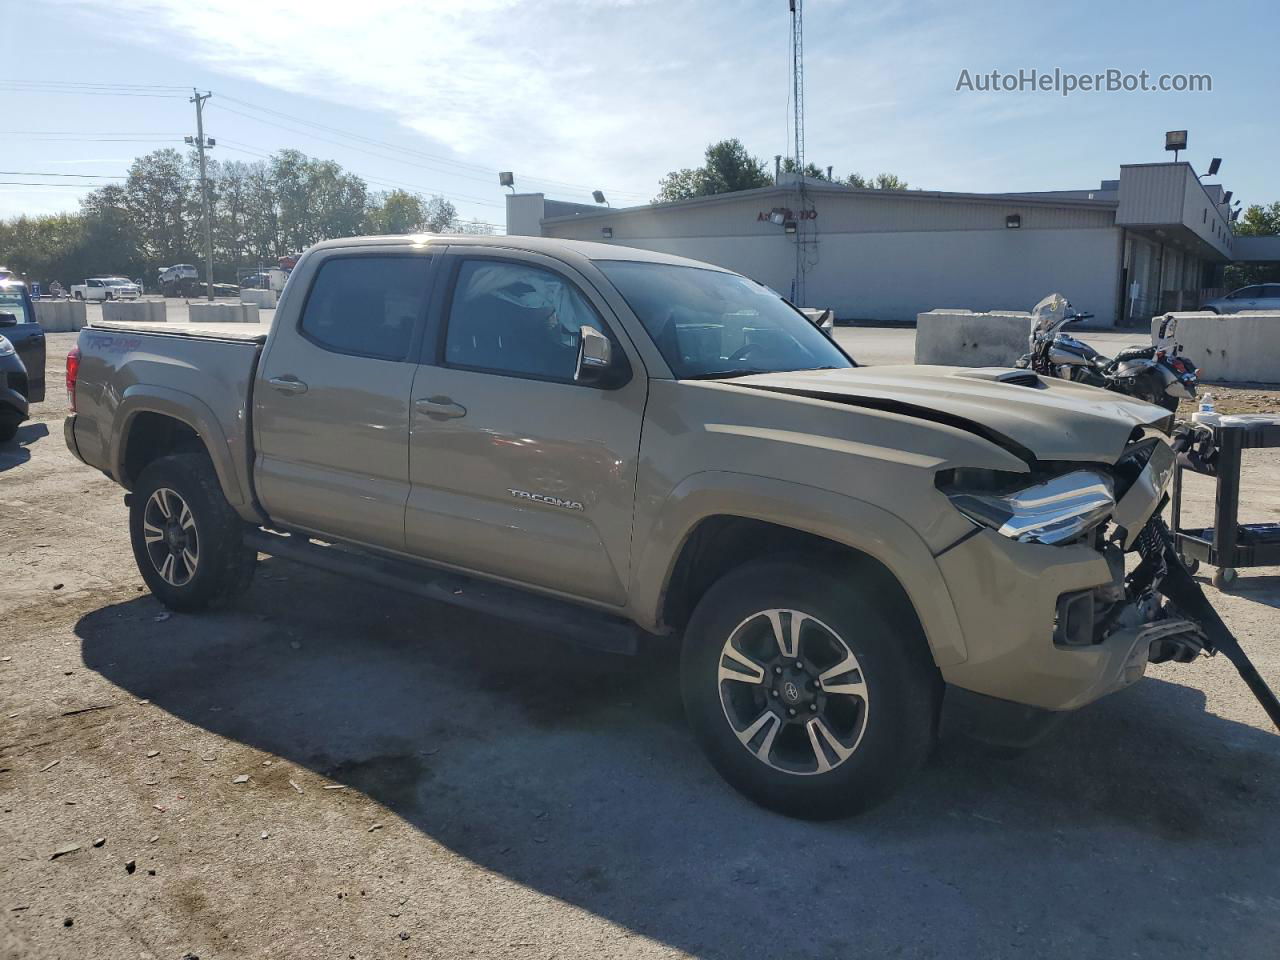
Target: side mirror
<point>595,356</point>
<point>8,319</point>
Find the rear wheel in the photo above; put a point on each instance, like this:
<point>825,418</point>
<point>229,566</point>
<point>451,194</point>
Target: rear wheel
<point>187,540</point>
<point>802,694</point>
<point>8,428</point>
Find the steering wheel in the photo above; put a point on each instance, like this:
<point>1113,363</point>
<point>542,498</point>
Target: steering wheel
<point>743,351</point>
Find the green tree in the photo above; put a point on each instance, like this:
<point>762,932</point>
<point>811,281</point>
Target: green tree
<point>159,200</point>
<point>108,235</point>
<point>811,170</point>
<point>395,212</point>
<point>881,181</point>
<point>1258,220</point>
<point>727,167</point>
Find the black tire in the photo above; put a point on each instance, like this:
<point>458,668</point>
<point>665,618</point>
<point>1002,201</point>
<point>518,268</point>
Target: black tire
<point>223,566</point>
<point>899,710</point>
<point>79,295</point>
<point>8,428</point>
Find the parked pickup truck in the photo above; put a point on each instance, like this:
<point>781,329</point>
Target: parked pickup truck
<point>105,288</point>
<point>615,444</point>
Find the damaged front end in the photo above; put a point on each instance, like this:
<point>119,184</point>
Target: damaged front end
<point>1148,612</point>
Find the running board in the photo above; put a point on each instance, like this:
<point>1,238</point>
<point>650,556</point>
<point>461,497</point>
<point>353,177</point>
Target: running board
<point>584,626</point>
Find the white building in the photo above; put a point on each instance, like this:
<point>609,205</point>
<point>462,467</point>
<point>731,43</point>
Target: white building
<point>1153,240</point>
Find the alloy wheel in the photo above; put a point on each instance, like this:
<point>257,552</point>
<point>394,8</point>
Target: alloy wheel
<point>793,692</point>
<point>171,537</point>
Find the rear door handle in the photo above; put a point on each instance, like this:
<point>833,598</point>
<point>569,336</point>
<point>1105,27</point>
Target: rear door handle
<point>288,384</point>
<point>440,408</point>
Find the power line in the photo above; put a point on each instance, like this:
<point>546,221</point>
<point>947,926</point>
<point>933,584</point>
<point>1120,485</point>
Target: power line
<point>33,173</point>
<point>44,139</point>
<point>60,186</point>
<point>97,84</point>
<point>434,158</point>
<point>242,148</point>
<point>347,146</point>
<point>88,88</point>
<point>95,93</point>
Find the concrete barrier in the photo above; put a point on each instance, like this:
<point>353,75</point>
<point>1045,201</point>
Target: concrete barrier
<point>265,299</point>
<point>223,312</point>
<point>136,311</point>
<point>60,316</point>
<point>967,339</point>
<point>1231,347</point>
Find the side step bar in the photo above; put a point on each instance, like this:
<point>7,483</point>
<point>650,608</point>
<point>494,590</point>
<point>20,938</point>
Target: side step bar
<point>584,626</point>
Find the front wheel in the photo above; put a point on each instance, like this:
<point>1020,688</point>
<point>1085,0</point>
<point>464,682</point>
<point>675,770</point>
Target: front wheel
<point>803,694</point>
<point>187,540</point>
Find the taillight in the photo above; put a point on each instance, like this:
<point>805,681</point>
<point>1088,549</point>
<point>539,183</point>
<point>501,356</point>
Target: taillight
<point>73,371</point>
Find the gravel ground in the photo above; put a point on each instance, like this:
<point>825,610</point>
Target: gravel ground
<point>500,794</point>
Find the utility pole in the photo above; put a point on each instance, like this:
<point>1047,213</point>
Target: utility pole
<point>198,99</point>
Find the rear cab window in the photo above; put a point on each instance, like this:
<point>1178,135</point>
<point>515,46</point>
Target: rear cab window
<point>367,306</point>
<point>12,301</point>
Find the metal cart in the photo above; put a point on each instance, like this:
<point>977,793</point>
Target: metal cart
<point>1228,545</point>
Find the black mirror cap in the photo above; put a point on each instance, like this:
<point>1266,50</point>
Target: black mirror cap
<point>8,319</point>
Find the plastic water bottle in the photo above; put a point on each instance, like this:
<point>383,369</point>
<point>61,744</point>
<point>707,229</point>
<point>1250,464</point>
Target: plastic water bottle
<point>1207,413</point>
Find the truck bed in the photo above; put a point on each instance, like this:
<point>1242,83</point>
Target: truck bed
<point>252,332</point>
<point>200,375</point>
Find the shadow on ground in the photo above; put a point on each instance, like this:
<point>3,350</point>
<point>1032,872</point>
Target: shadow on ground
<point>571,772</point>
<point>14,452</point>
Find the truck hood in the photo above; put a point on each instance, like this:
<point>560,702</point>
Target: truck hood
<point>1034,417</point>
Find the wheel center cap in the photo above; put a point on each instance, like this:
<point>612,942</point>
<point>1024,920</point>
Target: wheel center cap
<point>790,693</point>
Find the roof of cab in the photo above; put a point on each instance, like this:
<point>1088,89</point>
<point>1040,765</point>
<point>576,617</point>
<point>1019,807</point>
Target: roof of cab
<point>549,246</point>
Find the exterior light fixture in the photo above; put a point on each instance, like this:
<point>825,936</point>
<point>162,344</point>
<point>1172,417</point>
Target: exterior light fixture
<point>1226,197</point>
<point>1013,221</point>
<point>507,179</point>
<point>789,226</point>
<point>598,197</point>
<point>606,232</point>
<point>1175,140</point>
<point>1214,164</point>
<point>777,217</point>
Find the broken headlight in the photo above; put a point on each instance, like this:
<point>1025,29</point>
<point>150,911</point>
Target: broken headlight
<point>1054,510</point>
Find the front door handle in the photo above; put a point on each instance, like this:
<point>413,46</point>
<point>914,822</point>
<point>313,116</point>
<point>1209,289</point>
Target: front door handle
<point>440,408</point>
<point>288,384</point>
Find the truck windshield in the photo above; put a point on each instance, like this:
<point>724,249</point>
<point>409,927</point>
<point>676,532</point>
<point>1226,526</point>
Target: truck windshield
<point>710,324</point>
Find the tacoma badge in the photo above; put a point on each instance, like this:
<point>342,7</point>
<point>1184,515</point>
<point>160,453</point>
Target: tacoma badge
<point>543,498</point>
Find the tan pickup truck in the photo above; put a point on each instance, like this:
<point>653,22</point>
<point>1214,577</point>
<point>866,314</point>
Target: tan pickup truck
<point>613,444</point>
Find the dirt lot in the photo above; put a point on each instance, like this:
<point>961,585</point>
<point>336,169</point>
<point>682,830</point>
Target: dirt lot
<point>500,794</point>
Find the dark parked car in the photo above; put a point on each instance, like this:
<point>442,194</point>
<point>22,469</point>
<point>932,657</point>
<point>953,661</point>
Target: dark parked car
<point>23,372</point>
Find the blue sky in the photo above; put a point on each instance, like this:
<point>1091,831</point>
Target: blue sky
<point>614,93</point>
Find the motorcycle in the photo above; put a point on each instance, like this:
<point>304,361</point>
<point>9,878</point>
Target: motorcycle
<point>1158,374</point>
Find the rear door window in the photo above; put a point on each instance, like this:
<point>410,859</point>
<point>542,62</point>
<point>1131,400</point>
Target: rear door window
<point>367,306</point>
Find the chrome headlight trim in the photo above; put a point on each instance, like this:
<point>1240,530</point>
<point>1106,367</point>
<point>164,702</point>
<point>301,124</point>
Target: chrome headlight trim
<point>1057,510</point>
